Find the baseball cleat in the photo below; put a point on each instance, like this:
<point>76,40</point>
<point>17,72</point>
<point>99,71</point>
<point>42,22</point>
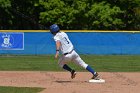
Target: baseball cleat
<point>96,76</point>
<point>73,74</point>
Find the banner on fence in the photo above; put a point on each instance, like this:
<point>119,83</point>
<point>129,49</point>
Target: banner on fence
<point>12,41</point>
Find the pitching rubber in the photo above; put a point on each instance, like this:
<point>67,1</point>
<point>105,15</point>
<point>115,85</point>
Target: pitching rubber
<point>97,81</point>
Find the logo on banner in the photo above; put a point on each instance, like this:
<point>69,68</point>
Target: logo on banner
<point>7,42</point>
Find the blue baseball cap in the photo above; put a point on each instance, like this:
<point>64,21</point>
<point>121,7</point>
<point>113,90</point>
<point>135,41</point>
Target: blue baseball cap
<point>54,28</point>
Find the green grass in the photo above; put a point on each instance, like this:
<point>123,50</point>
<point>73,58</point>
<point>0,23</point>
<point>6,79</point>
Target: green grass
<point>110,63</point>
<point>19,90</point>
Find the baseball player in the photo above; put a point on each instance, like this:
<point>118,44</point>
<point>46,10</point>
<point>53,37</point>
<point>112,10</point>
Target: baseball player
<point>65,47</point>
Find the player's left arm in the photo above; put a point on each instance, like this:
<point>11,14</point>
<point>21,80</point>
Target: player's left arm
<point>58,44</point>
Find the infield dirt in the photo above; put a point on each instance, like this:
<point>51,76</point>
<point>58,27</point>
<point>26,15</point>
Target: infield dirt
<point>60,82</point>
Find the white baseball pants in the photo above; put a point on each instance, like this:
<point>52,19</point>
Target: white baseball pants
<point>72,57</point>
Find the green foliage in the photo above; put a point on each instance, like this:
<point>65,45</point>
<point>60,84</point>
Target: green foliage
<point>5,3</point>
<point>70,14</point>
<point>5,16</point>
<point>53,10</point>
<point>25,14</point>
<point>80,14</point>
<point>102,15</point>
<point>130,16</point>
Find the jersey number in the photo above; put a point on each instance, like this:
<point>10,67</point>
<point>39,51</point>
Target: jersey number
<point>66,40</point>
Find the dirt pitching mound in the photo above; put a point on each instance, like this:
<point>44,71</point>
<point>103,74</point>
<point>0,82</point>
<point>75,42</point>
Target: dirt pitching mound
<point>60,82</point>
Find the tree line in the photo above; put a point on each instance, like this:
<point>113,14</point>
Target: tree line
<point>70,14</point>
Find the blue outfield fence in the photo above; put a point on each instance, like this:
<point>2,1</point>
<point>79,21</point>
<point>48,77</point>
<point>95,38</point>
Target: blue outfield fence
<point>101,43</point>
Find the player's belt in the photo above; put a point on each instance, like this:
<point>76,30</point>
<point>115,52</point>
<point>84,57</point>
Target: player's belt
<point>68,52</point>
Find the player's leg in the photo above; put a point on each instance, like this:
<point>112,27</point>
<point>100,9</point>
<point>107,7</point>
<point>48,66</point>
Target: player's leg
<point>72,71</point>
<point>80,62</point>
<point>63,64</point>
<point>95,74</point>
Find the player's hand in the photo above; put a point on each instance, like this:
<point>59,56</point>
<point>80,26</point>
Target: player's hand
<point>57,55</point>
